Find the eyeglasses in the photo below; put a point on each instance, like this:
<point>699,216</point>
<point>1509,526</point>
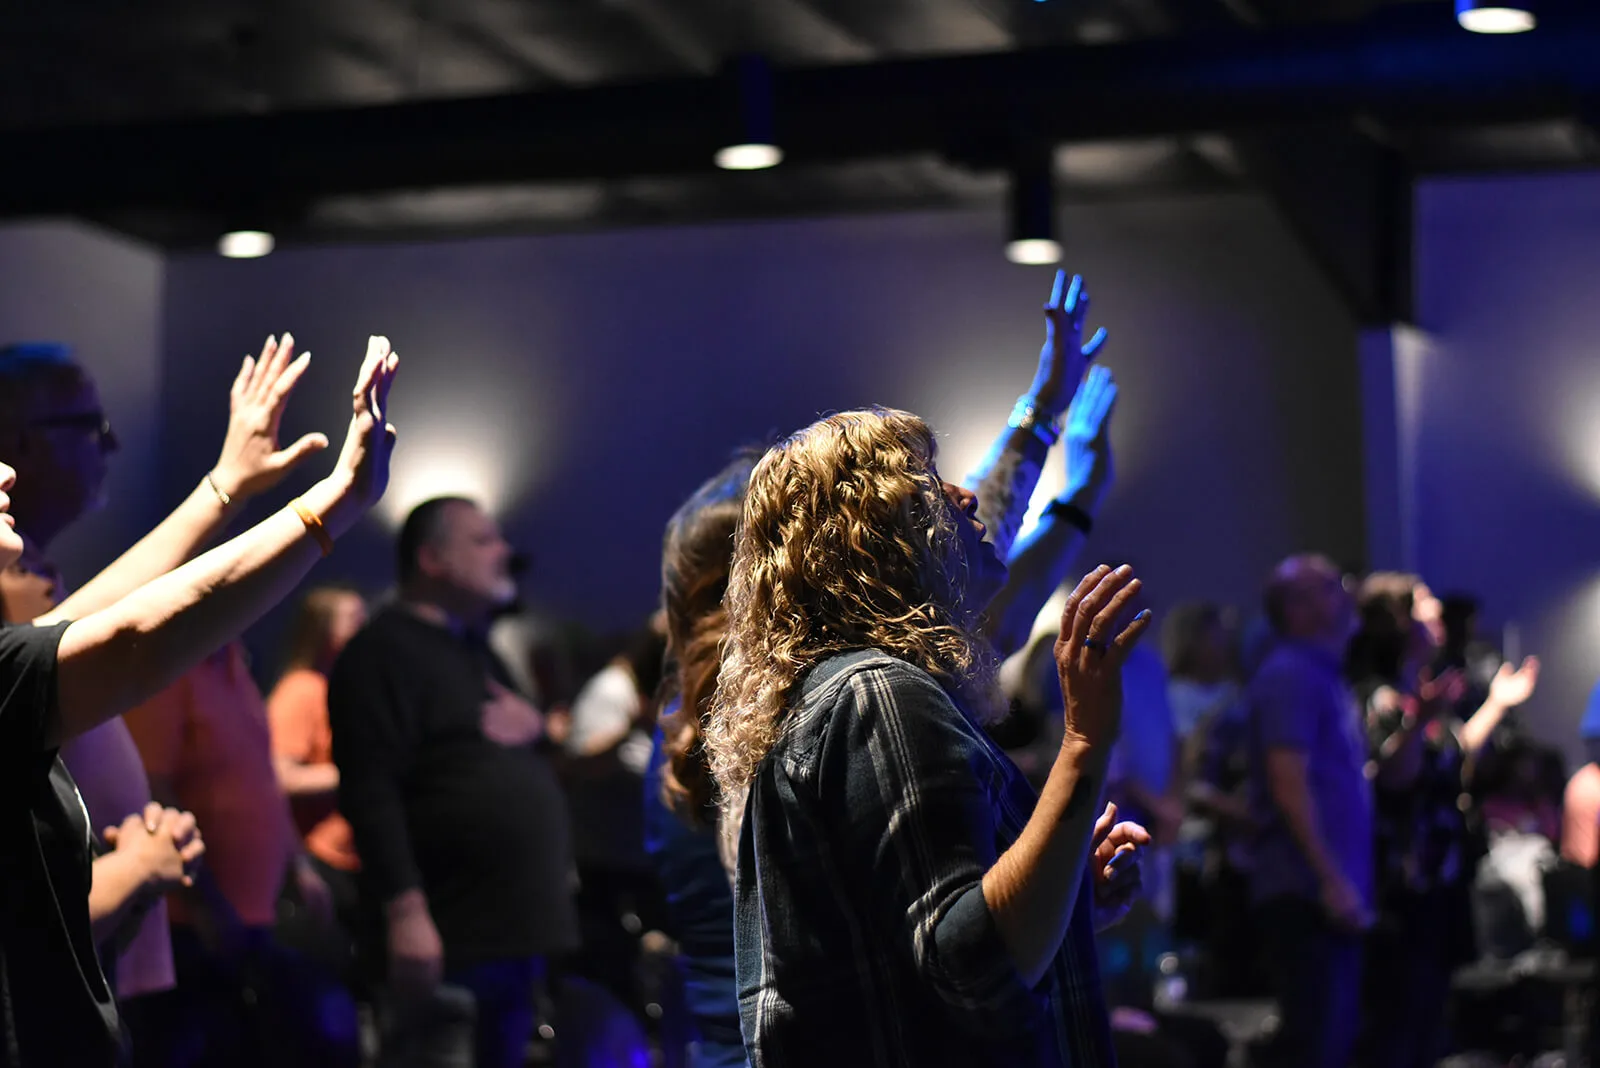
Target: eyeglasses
<point>94,423</point>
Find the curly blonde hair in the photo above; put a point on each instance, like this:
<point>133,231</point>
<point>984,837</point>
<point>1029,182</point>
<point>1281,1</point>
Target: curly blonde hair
<point>847,542</point>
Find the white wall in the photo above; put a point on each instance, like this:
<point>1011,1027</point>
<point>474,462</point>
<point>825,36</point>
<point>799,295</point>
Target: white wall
<point>101,294</point>
<point>1509,447</point>
<point>586,383</point>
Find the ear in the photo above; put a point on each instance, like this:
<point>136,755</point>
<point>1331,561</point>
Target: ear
<point>428,563</point>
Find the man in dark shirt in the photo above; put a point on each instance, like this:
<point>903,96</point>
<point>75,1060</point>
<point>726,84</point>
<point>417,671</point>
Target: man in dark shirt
<point>460,822</point>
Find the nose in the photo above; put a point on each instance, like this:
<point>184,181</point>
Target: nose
<point>8,478</point>
<point>966,500</point>
<point>108,442</point>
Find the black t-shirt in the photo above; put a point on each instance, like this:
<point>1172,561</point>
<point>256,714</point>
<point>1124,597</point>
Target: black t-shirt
<point>482,828</point>
<point>55,1006</point>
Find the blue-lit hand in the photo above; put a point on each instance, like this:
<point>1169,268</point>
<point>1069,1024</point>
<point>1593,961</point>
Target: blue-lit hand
<point>1115,861</point>
<point>1088,435</point>
<point>1065,354</point>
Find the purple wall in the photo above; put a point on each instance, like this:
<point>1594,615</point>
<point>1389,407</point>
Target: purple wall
<point>64,281</point>
<point>590,381</point>
<point>1508,498</point>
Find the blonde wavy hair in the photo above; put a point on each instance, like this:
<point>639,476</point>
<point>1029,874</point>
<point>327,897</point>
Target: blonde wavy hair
<point>847,541</point>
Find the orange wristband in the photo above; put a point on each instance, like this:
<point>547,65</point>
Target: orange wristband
<point>313,525</point>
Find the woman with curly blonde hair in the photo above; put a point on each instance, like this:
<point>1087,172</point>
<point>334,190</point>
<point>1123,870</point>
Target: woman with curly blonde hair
<point>902,896</point>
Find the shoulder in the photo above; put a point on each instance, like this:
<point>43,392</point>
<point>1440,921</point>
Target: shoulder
<point>24,646</point>
<point>866,692</point>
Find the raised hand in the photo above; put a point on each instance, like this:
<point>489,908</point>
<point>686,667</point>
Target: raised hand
<point>1090,653</point>
<point>250,461</point>
<point>369,441</point>
<point>1115,853</point>
<point>1088,434</point>
<point>1065,354</point>
<point>1509,688</point>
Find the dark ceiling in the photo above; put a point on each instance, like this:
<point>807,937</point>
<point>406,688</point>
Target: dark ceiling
<point>330,119</point>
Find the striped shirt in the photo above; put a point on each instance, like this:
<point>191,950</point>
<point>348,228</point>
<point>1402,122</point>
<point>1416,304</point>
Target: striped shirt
<point>862,934</point>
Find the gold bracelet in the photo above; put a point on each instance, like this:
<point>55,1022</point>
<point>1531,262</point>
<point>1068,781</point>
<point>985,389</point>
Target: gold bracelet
<point>313,525</point>
<point>221,496</point>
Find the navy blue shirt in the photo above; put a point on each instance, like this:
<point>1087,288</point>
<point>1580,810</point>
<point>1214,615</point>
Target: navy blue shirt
<point>700,907</point>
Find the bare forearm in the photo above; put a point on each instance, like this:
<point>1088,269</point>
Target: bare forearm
<point>306,780</point>
<point>114,893</point>
<point>179,537</point>
<point>1032,888</point>
<point>1292,797</point>
<point>117,657</point>
<point>1039,564</point>
<point>1476,732</point>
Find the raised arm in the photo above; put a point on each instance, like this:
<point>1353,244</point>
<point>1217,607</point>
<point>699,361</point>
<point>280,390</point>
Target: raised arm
<point>1033,888</point>
<point>1005,479</point>
<point>1508,690</point>
<point>250,463</point>
<point>113,658</point>
<point>1039,563</point>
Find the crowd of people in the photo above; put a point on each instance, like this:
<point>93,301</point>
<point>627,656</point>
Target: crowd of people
<point>882,781</point>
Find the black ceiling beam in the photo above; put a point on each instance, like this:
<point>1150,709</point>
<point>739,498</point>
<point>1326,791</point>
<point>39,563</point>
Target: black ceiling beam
<point>1414,67</point>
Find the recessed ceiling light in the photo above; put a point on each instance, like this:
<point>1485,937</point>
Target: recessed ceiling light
<point>1032,251</point>
<point>1494,18</point>
<point>245,244</point>
<point>750,157</point>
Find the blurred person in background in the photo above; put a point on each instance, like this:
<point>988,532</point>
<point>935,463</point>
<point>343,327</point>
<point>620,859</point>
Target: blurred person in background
<point>150,616</point>
<point>444,774</point>
<point>1424,847</point>
<point>1311,873</point>
<point>55,430</point>
<point>1580,808</point>
<point>302,743</point>
<point>607,756</point>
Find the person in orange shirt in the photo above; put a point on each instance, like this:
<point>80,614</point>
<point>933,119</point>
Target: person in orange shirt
<point>302,743</point>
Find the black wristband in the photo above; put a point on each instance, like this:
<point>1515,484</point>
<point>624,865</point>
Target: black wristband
<point>1070,513</point>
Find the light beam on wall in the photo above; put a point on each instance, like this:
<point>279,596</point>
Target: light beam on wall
<point>1480,17</point>
<point>469,447</point>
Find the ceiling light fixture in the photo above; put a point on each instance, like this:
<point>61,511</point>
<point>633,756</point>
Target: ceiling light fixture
<point>756,147</point>
<point>1031,237</point>
<point>245,244</point>
<point>1480,17</point>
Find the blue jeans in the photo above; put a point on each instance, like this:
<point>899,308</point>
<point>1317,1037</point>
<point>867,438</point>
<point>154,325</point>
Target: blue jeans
<point>1316,975</point>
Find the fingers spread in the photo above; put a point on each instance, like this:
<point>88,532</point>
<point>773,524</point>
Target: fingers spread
<point>1056,291</point>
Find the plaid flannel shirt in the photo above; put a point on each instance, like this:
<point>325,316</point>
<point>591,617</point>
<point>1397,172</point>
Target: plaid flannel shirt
<point>862,933</point>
